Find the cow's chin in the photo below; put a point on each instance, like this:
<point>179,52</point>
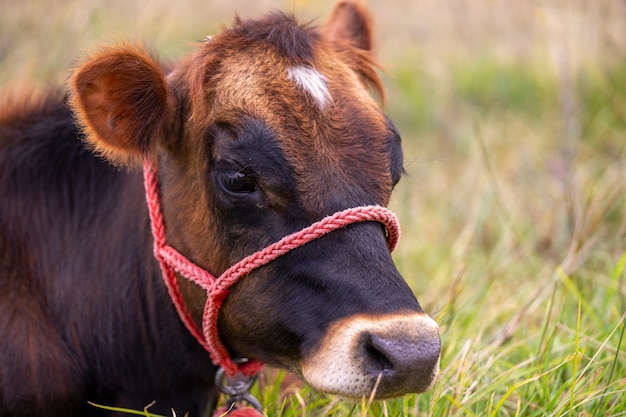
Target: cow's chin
<point>389,356</point>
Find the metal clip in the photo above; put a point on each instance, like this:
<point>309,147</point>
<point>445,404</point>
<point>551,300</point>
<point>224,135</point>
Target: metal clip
<point>237,389</point>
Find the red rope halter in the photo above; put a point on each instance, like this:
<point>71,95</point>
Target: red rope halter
<point>217,289</point>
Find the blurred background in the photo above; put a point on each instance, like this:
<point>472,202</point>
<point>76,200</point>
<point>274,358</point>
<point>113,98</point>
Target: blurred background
<point>513,117</point>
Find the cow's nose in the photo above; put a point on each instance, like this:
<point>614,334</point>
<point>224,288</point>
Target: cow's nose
<point>390,356</point>
<point>402,362</point>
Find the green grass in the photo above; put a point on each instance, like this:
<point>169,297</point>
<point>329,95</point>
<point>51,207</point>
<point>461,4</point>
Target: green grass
<point>517,242</point>
<point>513,209</point>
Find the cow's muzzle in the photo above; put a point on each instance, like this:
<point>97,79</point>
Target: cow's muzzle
<point>391,356</point>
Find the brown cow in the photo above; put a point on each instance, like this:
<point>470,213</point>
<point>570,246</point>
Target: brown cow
<point>266,128</point>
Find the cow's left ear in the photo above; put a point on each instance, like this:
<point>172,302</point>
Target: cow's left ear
<point>122,101</point>
<point>351,21</point>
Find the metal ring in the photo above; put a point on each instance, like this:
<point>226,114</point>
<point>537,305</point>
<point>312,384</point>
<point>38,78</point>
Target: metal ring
<point>237,386</point>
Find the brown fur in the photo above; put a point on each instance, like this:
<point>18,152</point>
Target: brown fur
<point>223,96</point>
<point>352,21</point>
<point>122,101</point>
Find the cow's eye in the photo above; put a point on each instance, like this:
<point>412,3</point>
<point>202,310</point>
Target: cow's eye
<point>238,182</point>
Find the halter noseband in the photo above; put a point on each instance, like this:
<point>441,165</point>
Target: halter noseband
<point>217,289</point>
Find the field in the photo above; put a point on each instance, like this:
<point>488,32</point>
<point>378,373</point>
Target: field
<point>513,208</point>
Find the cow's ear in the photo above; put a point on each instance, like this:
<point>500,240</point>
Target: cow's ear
<point>121,99</point>
<point>351,21</point>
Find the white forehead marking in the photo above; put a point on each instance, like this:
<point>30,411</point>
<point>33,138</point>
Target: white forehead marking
<point>312,81</point>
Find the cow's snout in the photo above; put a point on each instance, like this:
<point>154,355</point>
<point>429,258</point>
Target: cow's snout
<point>393,355</point>
<point>405,363</point>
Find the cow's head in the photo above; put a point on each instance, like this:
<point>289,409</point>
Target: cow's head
<point>266,128</point>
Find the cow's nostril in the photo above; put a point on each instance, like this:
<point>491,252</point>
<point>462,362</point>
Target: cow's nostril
<point>376,354</point>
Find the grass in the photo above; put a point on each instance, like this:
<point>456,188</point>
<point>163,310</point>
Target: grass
<point>514,204</point>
